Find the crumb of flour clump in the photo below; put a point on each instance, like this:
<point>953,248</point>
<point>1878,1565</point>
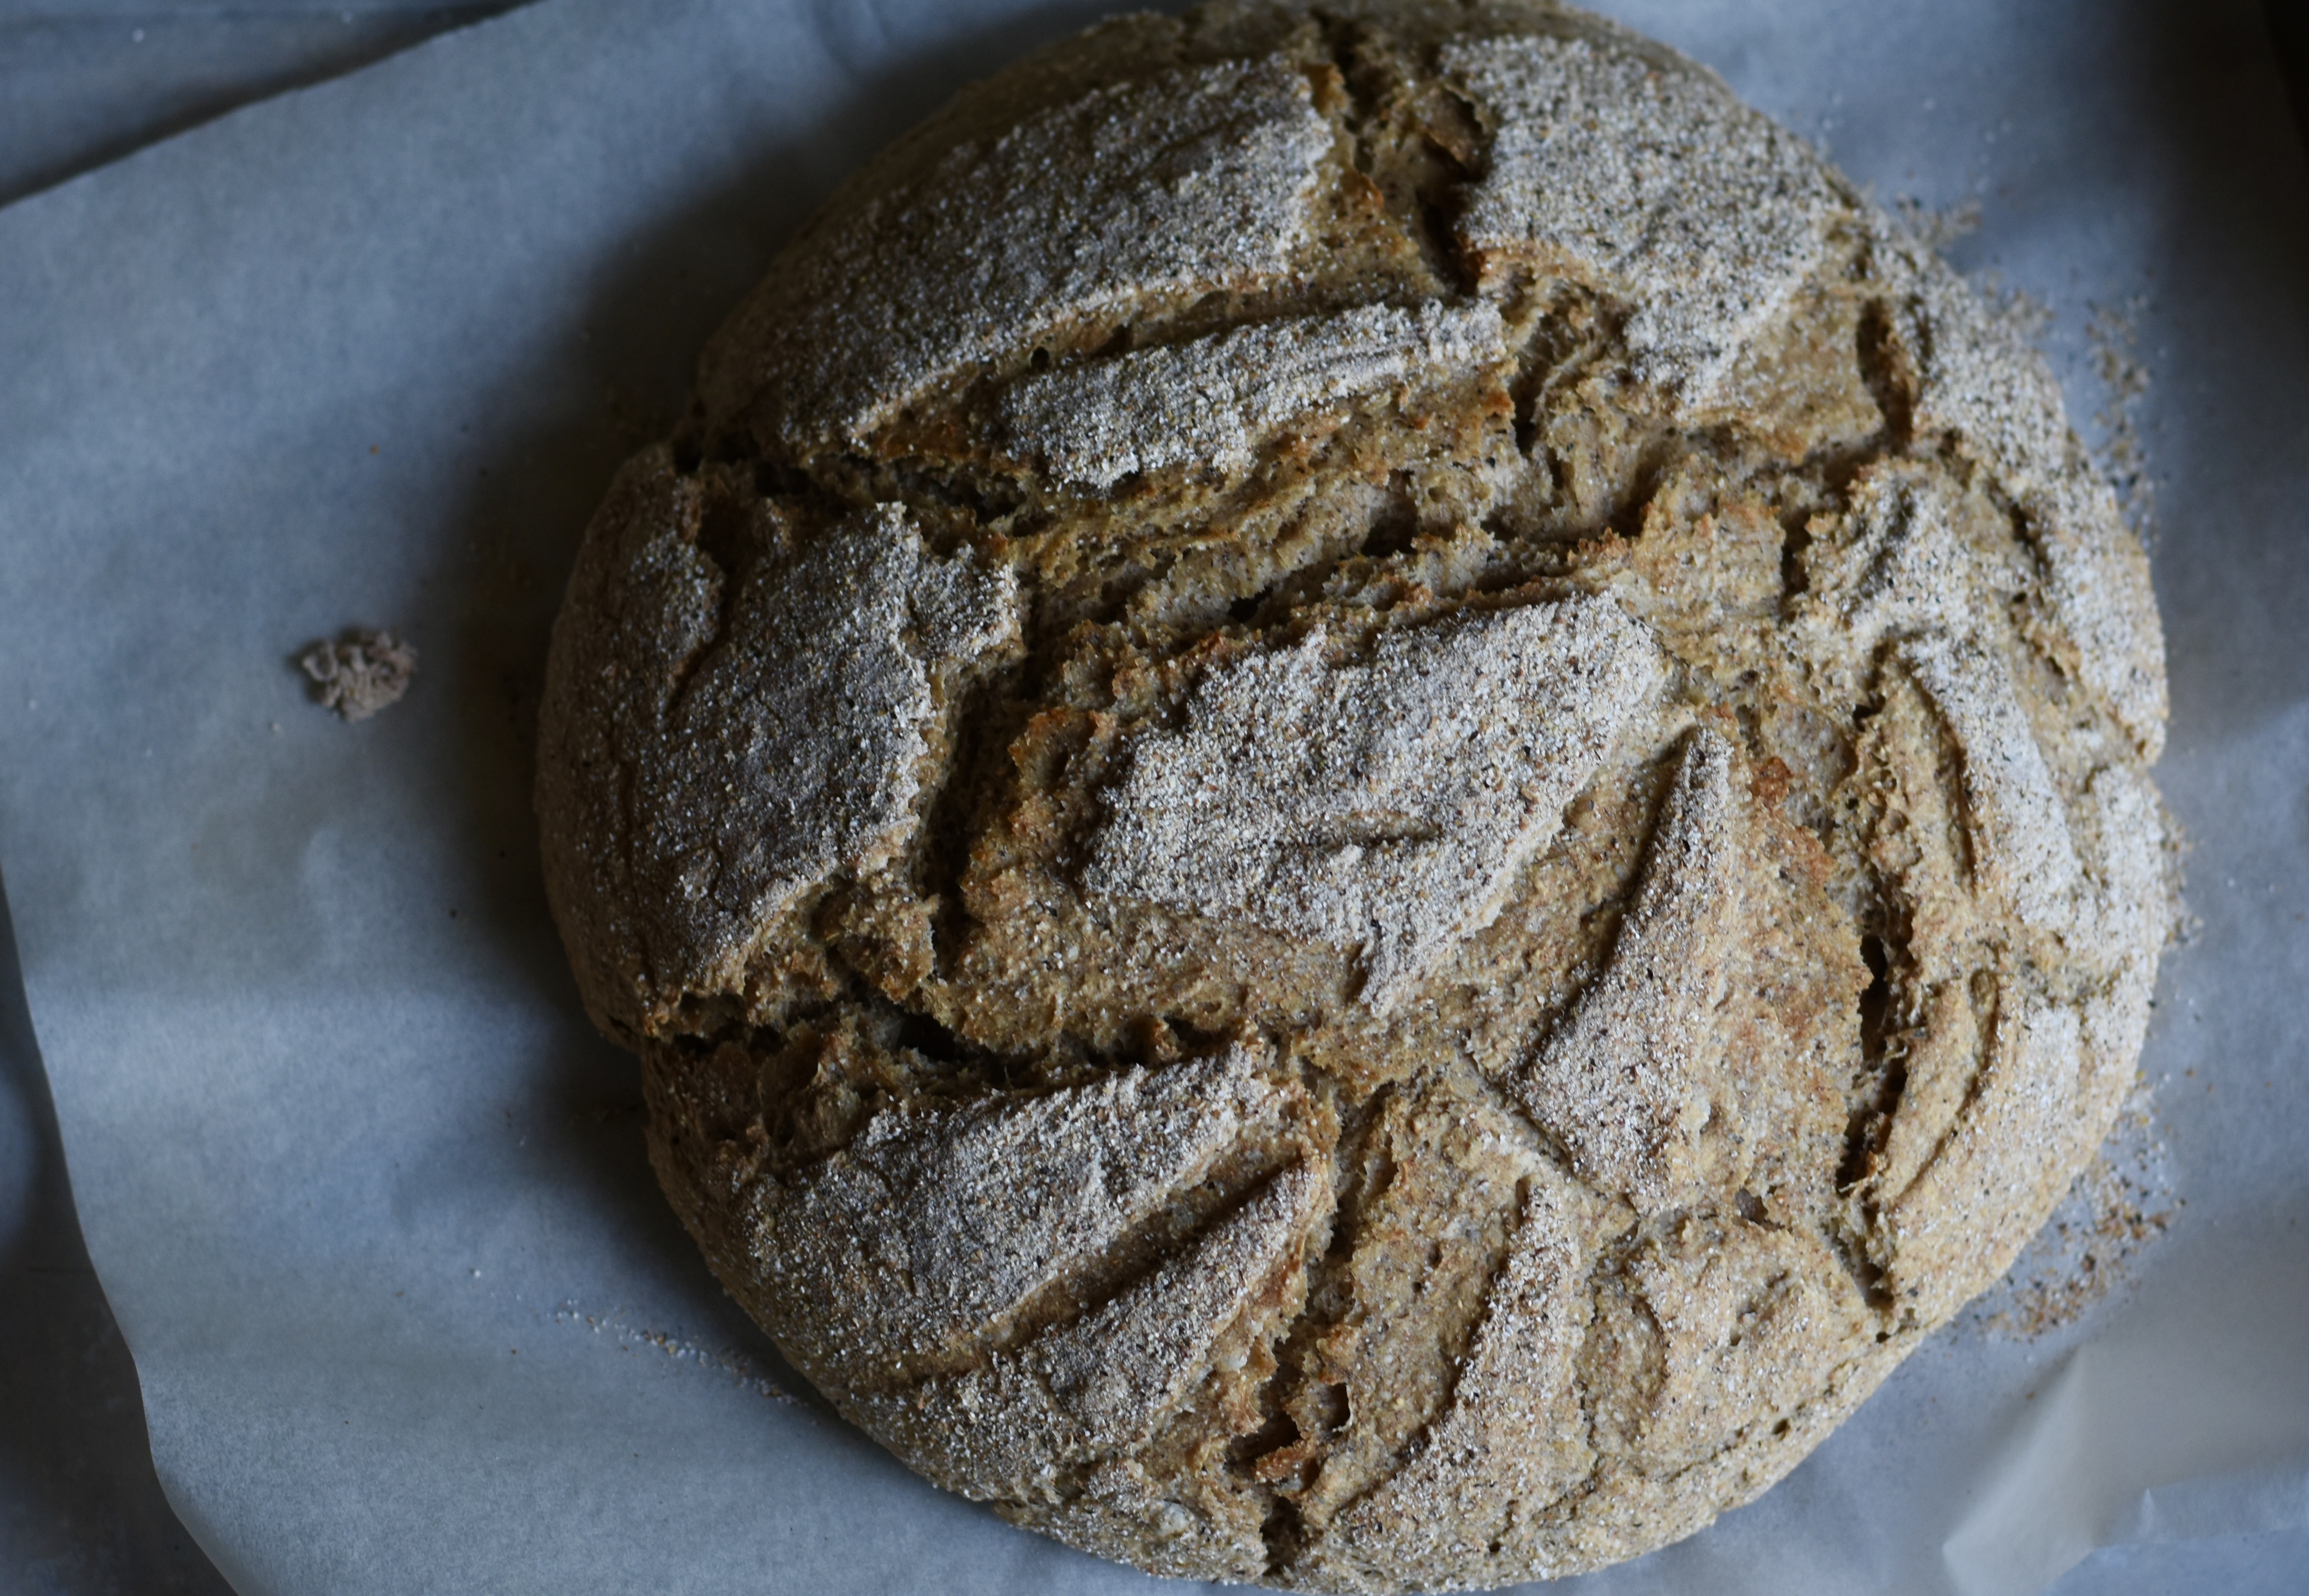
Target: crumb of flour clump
<point>2120,1203</point>
<point>2124,384</point>
<point>733,1362</point>
<point>1937,229</point>
<point>360,673</point>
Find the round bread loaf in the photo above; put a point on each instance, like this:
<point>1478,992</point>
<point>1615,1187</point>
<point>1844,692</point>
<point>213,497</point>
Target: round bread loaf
<point>1368,793</point>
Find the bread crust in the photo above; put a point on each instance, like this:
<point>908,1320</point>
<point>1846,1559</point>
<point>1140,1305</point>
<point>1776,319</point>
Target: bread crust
<point>1368,795</point>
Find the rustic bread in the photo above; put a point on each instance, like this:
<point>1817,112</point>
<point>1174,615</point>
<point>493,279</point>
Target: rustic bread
<point>1369,795</point>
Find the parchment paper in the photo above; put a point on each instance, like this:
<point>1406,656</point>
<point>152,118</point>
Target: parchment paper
<point>368,1195</point>
<point>83,81</point>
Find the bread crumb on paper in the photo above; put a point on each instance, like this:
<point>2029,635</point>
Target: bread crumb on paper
<point>1937,229</point>
<point>732,1361</point>
<point>360,673</point>
<point>2125,380</point>
<point>2119,1204</point>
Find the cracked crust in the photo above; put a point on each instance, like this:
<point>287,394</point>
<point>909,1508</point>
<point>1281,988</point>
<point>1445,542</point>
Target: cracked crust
<point>1380,807</point>
<point>1368,795</point>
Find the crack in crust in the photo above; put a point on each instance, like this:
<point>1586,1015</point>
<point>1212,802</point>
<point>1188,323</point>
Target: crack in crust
<point>1652,183</point>
<point>1369,795</point>
<point>1206,173</point>
<point>1384,806</point>
<point>1101,1386</point>
<point>1474,1469</point>
<point>1622,1080</point>
<point>750,773</point>
<point>940,1222</point>
<point>1213,401</point>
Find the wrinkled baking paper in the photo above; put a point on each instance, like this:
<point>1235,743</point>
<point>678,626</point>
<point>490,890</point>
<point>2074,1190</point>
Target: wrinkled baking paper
<point>368,1193</point>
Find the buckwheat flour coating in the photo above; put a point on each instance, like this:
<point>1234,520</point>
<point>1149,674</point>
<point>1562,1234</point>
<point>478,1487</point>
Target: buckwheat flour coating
<point>1368,795</point>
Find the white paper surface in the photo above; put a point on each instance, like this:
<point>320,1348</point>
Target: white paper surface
<point>368,1195</point>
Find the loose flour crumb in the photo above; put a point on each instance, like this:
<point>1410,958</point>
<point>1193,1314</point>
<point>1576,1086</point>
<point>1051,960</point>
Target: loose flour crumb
<point>360,674</point>
<point>733,1363</point>
<point>2121,1202</point>
<point>2124,384</point>
<point>1937,229</point>
<point>2026,314</point>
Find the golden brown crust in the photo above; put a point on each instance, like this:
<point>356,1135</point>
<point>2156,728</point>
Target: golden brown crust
<point>1370,796</point>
